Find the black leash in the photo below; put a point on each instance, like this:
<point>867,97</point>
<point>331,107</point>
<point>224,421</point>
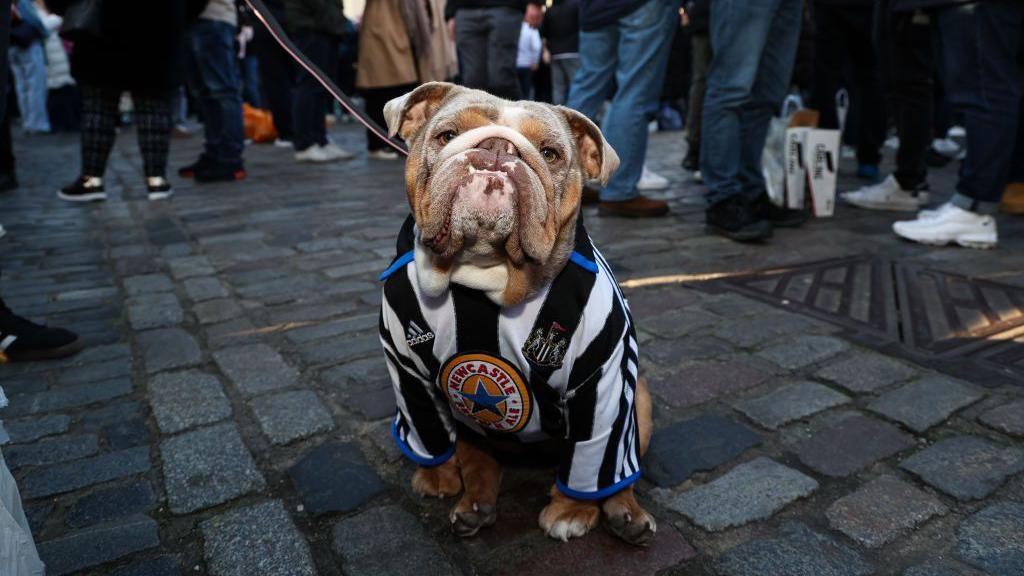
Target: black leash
<point>279,35</point>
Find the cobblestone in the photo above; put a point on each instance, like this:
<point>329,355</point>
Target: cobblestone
<point>98,544</point>
<point>925,402</point>
<point>154,311</point>
<point>159,566</point>
<point>881,510</point>
<point>256,368</point>
<point>67,397</point>
<point>351,484</point>
<point>200,289</point>
<point>59,478</point>
<point>183,400</point>
<point>852,444</point>
<point>965,467</point>
<point>258,539</point>
<point>406,550</point>
<point>695,383</point>
<point>51,450</point>
<point>703,443</point>
<point>168,348</point>
<point>147,284</point>
<point>789,402</point>
<point>29,429</point>
<point>751,491</point>
<point>802,351</point>
<point>110,503</point>
<point>993,539</point>
<point>207,467</point>
<point>866,371</point>
<point>288,416</point>
<point>214,311</point>
<point>1008,418</point>
<point>795,550</point>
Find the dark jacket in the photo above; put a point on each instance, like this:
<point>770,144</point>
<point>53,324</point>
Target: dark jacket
<point>595,14</point>
<point>454,5</point>
<point>699,12</point>
<point>140,45</point>
<point>561,27</point>
<point>322,15</point>
<point>908,5</point>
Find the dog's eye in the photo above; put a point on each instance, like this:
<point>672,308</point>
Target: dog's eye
<point>446,136</point>
<point>549,154</point>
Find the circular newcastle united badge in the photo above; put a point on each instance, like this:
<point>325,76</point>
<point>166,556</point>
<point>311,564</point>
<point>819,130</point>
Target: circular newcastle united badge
<point>488,389</point>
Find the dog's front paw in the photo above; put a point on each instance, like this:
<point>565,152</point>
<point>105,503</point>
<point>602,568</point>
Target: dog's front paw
<point>439,481</point>
<point>469,516</point>
<point>628,520</point>
<point>566,518</point>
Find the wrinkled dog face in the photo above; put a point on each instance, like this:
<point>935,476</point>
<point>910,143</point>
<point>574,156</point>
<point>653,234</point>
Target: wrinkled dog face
<point>494,183</point>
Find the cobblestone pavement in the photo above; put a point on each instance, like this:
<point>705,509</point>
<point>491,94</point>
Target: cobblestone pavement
<point>855,410</point>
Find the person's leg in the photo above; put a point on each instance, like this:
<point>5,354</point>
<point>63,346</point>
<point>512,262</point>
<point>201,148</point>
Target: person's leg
<point>309,100</point>
<point>216,69</point>
<point>569,68</point>
<point>867,90</point>
<point>907,48</point>
<point>19,71</point>
<point>592,82</point>
<point>99,118</point>
<point>503,44</point>
<point>277,74</point>
<point>153,123</point>
<point>37,118</point>
<point>471,39</point>
<point>559,86</point>
<point>979,50</point>
<point>739,32</point>
<point>525,76</point>
<point>645,36</point>
<point>700,45</point>
<point>831,47</point>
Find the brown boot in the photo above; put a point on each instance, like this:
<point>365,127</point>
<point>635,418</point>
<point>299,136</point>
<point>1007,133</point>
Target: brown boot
<point>639,206</point>
<point>1013,198</point>
<point>591,196</point>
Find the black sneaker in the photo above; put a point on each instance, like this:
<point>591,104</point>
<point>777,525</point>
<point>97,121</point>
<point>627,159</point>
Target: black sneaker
<point>24,341</point>
<point>220,173</point>
<point>85,189</point>
<point>158,188</point>
<point>190,170</point>
<point>737,220</point>
<point>692,161</point>
<point>778,216</point>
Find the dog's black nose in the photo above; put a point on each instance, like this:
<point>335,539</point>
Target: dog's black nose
<point>499,146</point>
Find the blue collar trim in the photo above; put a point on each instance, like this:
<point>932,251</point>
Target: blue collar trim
<point>397,265</point>
<point>400,262</point>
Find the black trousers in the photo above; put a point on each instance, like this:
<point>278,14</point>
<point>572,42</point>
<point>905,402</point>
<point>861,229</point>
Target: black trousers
<point>376,98</point>
<point>277,76</point>
<point>907,50</point>
<point>845,54</point>
<point>99,121</point>
<point>309,98</point>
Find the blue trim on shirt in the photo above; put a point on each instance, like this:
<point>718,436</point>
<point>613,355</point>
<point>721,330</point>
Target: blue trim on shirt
<point>602,493</point>
<point>427,462</point>
<point>583,262</point>
<point>397,265</point>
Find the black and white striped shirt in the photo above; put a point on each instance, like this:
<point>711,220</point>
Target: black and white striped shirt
<point>561,365</point>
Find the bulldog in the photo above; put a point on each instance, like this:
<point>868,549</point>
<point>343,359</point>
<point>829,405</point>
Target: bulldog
<point>502,326</point>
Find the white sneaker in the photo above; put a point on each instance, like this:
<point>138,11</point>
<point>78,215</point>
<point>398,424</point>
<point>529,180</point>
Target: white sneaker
<point>314,153</point>
<point>279,143</point>
<point>950,224</point>
<point>886,195</point>
<point>929,214</point>
<point>946,147</point>
<point>382,154</point>
<point>651,181</point>
<point>334,152</point>
<point>956,132</point>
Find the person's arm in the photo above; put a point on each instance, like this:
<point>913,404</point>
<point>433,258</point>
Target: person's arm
<point>330,14</point>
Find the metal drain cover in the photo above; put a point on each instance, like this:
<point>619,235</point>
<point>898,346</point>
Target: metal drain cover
<point>966,326</point>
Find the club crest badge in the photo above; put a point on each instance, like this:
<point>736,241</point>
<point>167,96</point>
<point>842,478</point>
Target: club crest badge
<point>487,389</point>
<point>547,348</point>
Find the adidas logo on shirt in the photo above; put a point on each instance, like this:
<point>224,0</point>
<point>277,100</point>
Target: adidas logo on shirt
<point>414,334</point>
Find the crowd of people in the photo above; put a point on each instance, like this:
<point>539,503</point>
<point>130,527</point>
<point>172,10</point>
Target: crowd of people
<point>919,69</point>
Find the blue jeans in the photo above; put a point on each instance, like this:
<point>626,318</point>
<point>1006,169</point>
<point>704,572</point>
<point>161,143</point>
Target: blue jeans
<point>978,46</point>
<point>213,78</point>
<point>28,65</point>
<point>633,52</point>
<point>753,46</point>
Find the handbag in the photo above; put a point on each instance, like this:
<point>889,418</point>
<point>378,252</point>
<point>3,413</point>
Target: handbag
<point>83,18</point>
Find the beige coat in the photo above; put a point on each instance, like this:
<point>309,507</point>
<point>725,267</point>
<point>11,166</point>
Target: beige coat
<point>386,54</point>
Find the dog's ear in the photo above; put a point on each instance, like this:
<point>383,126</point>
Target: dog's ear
<point>406,114</point>
<point>597,158</point>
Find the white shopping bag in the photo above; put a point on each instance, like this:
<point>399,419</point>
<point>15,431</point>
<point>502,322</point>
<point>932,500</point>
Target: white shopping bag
<point>796,170</point>
<point>821,159</point>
